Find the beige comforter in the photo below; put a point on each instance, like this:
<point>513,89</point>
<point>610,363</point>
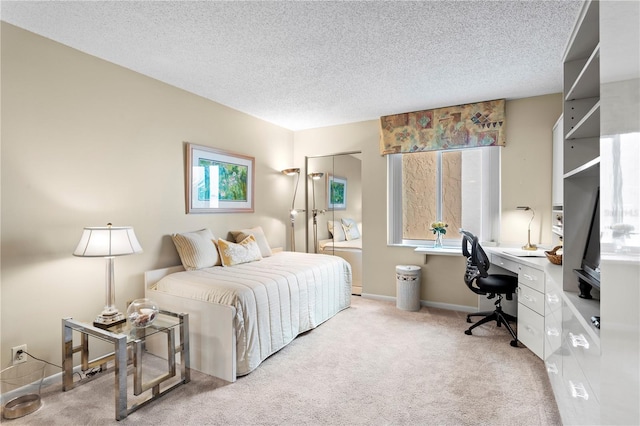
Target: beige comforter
<point>276,298</point>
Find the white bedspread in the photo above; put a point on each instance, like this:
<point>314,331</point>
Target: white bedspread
<point>276,298</point>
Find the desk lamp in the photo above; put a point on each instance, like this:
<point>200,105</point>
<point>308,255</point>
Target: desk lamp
<point>108,242</point>
<point>528,246</point>
<point>293,212</point>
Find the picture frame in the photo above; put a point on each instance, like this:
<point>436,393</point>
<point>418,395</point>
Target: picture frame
<point>218,181</point>
<point>336,192</point>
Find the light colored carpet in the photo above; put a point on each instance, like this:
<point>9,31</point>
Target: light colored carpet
<point>372,364</point>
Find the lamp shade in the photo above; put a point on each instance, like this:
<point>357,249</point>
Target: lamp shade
<point>292,171</point>
<point>107,241</point>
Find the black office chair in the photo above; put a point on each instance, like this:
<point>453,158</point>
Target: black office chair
<point>481,282</point>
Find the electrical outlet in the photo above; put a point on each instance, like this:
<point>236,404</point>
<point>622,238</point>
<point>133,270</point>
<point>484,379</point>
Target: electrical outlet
<point>18,358</point>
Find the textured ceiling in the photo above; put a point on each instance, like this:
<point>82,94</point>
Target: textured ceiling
<point>312,64</point>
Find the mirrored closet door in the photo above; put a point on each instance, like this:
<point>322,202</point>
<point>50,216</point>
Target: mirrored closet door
<point>334,209</point>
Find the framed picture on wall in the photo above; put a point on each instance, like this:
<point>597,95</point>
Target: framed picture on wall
<point>336,192</point>
<point>218,181</point>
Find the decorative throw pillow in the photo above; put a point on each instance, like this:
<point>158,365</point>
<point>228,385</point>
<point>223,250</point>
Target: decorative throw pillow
<point>196,249</point>
<point>336,231</point>
<point>234,254</point>
<point>258,234</point>
<point>351,230</point>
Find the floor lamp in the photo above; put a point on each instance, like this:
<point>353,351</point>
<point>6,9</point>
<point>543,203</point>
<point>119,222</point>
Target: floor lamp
<point>293,212</point>
<point>314,177</point>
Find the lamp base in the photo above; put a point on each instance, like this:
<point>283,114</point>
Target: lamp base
<point>107,321</point>
<point>530,246</point>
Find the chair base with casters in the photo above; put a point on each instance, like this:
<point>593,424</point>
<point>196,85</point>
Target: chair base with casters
<point>479,281</point>
<point>497,315</point>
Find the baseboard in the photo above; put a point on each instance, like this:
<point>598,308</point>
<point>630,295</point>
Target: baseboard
<point>54,379</point>
<point>427,303</point>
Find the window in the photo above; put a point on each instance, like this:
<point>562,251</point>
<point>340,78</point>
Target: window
<point>459,187</point>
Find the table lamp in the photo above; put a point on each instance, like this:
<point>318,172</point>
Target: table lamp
<point>293,212</point>
<point>108,242</point>
<point>528,246</point>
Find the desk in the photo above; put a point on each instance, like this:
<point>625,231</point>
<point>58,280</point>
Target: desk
<point>125,338</point>
<point>539,291</point>
<point>538,280</point>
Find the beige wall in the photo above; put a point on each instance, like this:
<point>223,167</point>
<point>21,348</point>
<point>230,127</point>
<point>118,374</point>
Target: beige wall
<point>85,142</point>
<point>526,168</point>
<point>529,123</point>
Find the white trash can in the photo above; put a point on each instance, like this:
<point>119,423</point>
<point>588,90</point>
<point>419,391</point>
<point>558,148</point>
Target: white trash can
<point>408,287</point>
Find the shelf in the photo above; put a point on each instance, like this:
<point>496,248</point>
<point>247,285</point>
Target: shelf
<point>586,33</point>
<point>588,126</point>
<point>592,168</point>
<point>587,83</point>
<point>445,251</point>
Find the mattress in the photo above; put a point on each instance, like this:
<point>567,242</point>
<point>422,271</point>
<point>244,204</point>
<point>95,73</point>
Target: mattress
<point>276,298</point>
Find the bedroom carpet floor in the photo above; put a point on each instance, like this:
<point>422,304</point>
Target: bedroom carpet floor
<point>371,364</point>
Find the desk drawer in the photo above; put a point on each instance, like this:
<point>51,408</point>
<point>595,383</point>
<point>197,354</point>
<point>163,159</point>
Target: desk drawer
<point>552,334</point>
<point>553,301</point>
<point>583,349</point>
<point>531,329</point>
<point>531,277</point>
<point>553,365</point>
<point>578,403</point>
<point>532,299</point>
<point>504,263</point>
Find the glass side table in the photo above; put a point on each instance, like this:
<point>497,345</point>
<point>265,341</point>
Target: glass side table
<point>130,340</point>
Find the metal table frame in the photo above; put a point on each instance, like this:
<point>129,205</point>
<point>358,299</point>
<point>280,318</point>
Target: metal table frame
<point>121,341</point>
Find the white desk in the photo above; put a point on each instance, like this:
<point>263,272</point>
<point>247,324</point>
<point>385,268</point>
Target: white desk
<point>537,279</point>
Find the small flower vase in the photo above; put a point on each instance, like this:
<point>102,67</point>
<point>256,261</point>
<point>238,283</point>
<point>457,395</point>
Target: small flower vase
<point>438,242</point>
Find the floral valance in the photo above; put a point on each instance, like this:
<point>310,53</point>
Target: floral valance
<point>454,127</point>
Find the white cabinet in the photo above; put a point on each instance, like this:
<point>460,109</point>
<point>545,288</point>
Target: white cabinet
<point>533,273</point>
<point>531,289</point>
<point>574,350</point>
<point>595,372</point>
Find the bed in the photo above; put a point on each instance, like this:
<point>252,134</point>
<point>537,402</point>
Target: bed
<point>349,250</point>
<point>240,315</point>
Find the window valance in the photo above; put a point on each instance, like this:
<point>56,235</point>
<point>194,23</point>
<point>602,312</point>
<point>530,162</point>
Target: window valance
<point>454,127</point>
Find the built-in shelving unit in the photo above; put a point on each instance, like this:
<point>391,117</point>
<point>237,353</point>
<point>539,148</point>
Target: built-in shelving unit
<point>573,361</point>
<point>581,125</point>
<point>594,371</point>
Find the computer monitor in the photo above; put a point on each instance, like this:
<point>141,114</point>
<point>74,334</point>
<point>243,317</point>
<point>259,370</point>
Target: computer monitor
<point>589,272</point>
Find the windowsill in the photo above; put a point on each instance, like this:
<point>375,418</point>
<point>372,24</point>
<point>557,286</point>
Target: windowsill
<point>445,251</point>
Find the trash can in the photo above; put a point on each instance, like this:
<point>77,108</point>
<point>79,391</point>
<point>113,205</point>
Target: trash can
<point>21,385</point>
<point>408,287</point>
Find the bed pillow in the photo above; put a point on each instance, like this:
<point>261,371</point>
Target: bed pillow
<point>236,253</point>
<point>258,234</point>
<point>351,230</point>
<point>336,231</point>
<point>196,249</point>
